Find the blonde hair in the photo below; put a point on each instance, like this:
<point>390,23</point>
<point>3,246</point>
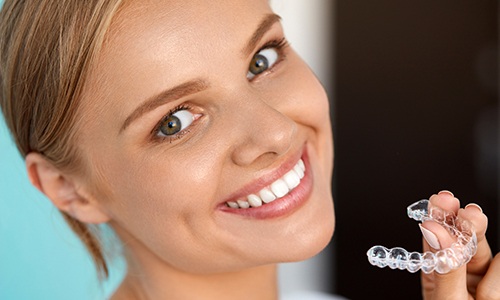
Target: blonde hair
<point>46,50</point>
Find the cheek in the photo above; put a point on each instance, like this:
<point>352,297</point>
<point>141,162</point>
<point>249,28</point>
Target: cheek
<point>163,183</point>
<point>164,203</point>
<point>156,186</point>
<point>308,105</point>
<point>307,102</point>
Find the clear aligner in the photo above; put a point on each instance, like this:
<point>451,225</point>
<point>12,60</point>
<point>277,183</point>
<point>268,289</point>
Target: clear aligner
<point>442,261</point>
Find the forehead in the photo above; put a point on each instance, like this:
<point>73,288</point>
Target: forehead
<point>154,44</point>
<point>175,31</point>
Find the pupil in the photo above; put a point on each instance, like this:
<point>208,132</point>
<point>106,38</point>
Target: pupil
<point>172,125</point>
<point>259,64</point>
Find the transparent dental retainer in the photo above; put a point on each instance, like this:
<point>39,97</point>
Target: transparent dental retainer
<point>443,261</point>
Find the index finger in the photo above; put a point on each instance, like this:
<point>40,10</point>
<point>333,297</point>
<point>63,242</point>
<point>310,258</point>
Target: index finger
<point>480,262</point>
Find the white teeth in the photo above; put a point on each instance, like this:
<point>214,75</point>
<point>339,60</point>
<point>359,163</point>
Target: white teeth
<point>299,171</point>
<point>254,200</point>
<point>266,195</point>
<point>302,165</point>
<point>243,204</point>
<point>232,204</point>
<point>276,190</point>
<point>292,179</point>
<point>279,188</point>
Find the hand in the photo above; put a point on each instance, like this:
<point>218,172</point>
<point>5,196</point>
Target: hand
<point>480,278</point>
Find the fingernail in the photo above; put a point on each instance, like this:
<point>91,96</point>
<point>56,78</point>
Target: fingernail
<point>474,205</point>
<point>430,237</point>
<point>446,192</point>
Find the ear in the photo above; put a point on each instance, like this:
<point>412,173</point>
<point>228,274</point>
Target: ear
<point>62,190</point>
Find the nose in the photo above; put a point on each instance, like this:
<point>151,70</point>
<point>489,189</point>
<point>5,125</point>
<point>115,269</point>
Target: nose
<point>264,133</point>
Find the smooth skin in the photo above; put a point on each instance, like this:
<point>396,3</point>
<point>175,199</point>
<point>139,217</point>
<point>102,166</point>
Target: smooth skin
<point>163,195</point>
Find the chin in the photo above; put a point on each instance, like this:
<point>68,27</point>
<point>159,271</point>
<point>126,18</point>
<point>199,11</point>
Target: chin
<point>303,241</point>
<point>305,245</point>
<point>311,243</point>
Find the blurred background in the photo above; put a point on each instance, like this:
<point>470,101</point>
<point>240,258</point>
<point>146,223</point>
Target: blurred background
<point>416,106</point>
<point>414,95</point>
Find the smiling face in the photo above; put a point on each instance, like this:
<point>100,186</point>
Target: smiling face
<point>195,111</point>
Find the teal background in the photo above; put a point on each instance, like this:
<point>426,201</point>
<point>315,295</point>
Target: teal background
<point>40,257</point>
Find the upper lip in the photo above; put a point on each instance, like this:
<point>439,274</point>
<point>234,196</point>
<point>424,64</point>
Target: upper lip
<point>267,178</point>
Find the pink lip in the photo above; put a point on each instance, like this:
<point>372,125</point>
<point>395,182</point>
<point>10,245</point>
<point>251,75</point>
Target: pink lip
<point>280,207</point>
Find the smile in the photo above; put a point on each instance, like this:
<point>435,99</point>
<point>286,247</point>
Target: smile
<point>276,190</point>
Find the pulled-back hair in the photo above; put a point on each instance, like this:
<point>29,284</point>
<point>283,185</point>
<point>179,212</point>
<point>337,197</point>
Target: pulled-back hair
<point>46,50</point>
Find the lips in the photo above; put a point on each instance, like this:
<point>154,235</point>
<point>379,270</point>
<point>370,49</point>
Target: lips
<point>274,191</point>
<point>275,194</point>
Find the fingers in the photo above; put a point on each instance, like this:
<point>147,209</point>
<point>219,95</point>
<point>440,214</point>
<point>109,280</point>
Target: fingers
<point>489,288</point>
<point>446,201</point>
<point>474,214</point>
<point>452,285</point>
<point>479,262</point>
<point>438,286</point>
<point>436,235</point>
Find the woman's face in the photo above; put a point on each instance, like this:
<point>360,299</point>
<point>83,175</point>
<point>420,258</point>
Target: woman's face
<point>192,107</point>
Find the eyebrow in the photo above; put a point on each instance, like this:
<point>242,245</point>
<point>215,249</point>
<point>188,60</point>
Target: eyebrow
<point>196,85</point>
<point>263,27</point>
<point>179,91</point>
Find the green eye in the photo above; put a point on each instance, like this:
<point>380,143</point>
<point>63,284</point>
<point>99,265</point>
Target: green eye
<point>175,123</point>
<point>171,125</point>
<point>262,61</point>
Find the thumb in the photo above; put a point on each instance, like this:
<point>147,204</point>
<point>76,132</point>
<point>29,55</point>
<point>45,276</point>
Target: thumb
<point>452,285</point>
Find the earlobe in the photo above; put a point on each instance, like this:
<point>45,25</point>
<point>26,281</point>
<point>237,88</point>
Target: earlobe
<point>63,191</point>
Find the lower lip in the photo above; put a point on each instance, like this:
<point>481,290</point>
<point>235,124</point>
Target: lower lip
<point>283,206</point>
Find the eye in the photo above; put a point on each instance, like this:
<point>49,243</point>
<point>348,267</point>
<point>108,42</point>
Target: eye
<point>262,61</point>
<point>175,122</point>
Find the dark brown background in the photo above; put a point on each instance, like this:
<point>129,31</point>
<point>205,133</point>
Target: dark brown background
<point>415,111</point>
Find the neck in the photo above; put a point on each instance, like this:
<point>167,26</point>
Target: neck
<point>255,283</point>
<point>148,277</point>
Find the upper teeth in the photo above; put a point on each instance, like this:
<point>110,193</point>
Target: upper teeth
<point>274,191</point>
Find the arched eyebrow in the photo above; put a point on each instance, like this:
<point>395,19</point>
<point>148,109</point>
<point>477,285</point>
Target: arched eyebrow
<point>179,91</point>
<point>196,85</point>
<point>263,27</point>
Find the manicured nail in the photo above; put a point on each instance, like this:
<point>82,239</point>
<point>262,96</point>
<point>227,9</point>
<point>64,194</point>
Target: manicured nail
<point>474,205</point>
<point>430,237</point>
<point>443,192</point>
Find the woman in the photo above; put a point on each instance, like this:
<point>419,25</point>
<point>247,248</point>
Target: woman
<point>194,131</point>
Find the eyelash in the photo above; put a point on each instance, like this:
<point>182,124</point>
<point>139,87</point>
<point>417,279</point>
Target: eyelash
<point>279,44</point>
<point>170,139</point>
